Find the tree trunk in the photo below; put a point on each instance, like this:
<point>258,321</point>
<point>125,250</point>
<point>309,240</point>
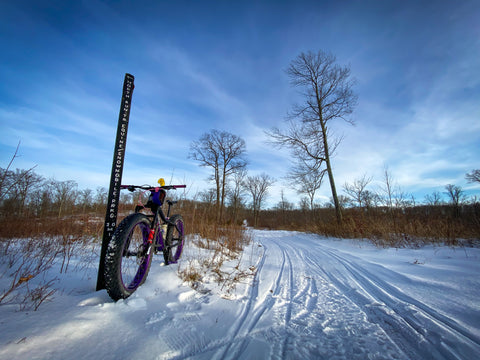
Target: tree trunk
<point>224,175</point>
<point>217,205</point>
<point>338,210</point>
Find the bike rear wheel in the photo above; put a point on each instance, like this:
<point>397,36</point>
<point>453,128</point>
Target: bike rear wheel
<point>175,240</point>
<point>128,257</point>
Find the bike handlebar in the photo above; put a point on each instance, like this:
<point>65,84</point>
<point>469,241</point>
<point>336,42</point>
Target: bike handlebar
<point>148,187</point>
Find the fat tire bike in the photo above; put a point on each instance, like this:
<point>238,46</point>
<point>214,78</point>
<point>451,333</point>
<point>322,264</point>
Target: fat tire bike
<point>138,237</point>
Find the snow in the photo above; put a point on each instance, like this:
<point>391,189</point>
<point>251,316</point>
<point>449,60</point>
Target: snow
<point>310,298</point>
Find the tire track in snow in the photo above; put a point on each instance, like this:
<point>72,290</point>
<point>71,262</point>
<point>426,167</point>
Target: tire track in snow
<point>289,298</point>
<point>278,303</point>
<point>246,328</point>
<point>239,337</point>
<point>312,318</point>
<point>404,318</point>
<point>320,327</point>
<point>307,302</point>
<point>350,293</point>
<point>303,324</point>
<point>233,337</point>
<point>344,319</point>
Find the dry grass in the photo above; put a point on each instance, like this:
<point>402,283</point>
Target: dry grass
<point>214,261</point>
<point>387,227</point>
<point>24,260</point>
<point>78,226</point>
<point>222,242</point>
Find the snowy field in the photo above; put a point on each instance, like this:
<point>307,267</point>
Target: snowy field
<point>310,298</point>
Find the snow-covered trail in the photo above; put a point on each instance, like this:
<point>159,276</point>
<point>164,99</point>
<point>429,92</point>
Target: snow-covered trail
<point>313,301</point>
<point>311,298</point>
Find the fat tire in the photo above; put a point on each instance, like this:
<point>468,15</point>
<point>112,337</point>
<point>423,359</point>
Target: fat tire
<point>114,259</point>
<point>175,240</point>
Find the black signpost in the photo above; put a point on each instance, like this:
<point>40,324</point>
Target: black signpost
<point>116,176</point>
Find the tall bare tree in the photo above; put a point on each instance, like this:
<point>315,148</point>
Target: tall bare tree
<point>257,186</point>
<point>225,154</point>
<point>327,95</point>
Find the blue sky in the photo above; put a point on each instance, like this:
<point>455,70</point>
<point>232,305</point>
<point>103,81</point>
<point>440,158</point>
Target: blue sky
<point>202,65</point>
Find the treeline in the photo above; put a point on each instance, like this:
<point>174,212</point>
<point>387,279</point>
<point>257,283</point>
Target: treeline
<point>396,220</point>
<point>25,193</point>
<point>385,213</point>
<point>31,205</point>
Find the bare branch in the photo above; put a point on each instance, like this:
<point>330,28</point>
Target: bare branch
<point>473,176</point>
<point>5,185</point>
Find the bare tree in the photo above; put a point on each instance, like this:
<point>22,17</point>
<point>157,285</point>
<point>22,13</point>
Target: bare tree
<point>358,191</point>
<point>64,193</point>
<point>455,193</point>
<point>28,183</point>
<point>237,192</point>
<point>342,200</point>
<point>86,199</point>
<point>44,204</point>
<point>307,177</point>
<point>393,195</point>
<point>457,197</point>
<point>389,189</point>
<point>327,91</point>
<point>101,196</point>
<point>257,186</point>
<point>473,176</point>
<point>9,180</point>
<point>208,196</point>
<point>21,190</point>
<point>126,198</point>
<point>304,204</point>
<point>225,154</point>
<point>284,206</point>
<point>371,199</point>
<point>433,199</point>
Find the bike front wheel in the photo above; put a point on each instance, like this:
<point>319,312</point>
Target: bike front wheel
<point>175,240</point>
<point>128,257</point>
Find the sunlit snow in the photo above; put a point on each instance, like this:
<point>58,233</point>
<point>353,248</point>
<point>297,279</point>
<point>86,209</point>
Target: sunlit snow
<point>310,298</point>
